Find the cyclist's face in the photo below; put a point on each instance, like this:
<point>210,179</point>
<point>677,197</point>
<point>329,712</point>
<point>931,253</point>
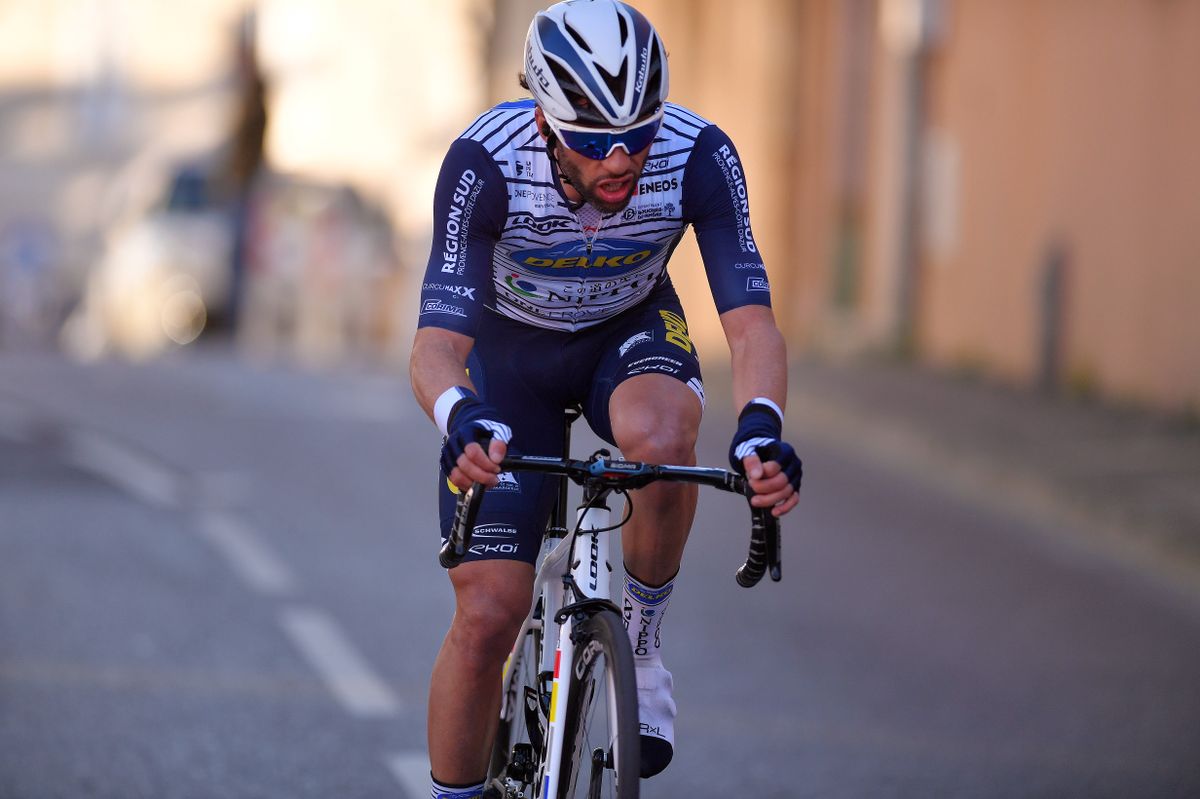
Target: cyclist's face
<point>608,184</point>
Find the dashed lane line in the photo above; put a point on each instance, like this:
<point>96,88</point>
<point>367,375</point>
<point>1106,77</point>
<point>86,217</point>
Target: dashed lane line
<point>346,673</point>
<point>247,554</point>
<point>123,468</point>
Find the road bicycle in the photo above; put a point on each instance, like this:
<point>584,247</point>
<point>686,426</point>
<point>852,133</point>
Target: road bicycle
<point>569,716</point>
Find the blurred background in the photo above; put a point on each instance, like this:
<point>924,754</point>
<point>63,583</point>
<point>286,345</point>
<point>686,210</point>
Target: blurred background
<point>1001,189</point>
<point>981,219</point>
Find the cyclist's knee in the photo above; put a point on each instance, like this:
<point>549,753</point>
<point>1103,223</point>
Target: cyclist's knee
<point>657,436</point>
<point>655,418</point>
<point>493,599</point>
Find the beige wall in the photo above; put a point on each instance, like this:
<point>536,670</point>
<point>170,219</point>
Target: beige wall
<point>1074,122</point>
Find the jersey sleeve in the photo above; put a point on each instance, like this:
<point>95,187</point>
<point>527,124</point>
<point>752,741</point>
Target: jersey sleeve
<point>716,202</point>
<point>469,207</point>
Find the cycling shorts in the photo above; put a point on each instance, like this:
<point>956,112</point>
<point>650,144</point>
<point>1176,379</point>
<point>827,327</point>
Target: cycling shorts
<point>531,375</point>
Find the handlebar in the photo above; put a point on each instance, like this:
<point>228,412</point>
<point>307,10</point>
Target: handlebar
<point>600,472</point>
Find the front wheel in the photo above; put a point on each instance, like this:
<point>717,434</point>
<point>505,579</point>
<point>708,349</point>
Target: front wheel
<point>601,757</point>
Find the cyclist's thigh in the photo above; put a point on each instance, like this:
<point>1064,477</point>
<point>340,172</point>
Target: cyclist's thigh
<point>512,367</point>
<point>649,340</point>
<point>497,588</point>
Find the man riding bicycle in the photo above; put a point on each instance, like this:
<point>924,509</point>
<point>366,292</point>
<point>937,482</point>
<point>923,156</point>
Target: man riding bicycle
<point>547,287</point>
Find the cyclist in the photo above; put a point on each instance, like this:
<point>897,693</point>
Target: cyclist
<point>547,286</point>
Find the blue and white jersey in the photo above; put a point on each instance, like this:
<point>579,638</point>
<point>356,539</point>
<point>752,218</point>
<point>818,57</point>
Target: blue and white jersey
<point>506,239</point>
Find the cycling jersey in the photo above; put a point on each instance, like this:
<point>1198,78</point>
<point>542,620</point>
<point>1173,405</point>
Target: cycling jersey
<point>507,239</point>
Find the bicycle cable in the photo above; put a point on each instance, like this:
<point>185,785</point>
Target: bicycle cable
<point>593,503</point>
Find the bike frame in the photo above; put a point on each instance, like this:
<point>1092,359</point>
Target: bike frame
<point>589,582</point>
<point>563,579</point>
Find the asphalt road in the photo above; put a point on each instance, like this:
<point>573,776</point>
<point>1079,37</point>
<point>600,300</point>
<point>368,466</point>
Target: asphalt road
<point>220,581</point>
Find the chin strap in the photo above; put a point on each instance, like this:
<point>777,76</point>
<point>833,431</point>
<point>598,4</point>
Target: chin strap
<point>551,146</point>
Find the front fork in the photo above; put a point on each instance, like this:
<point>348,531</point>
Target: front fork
<point>589,571</point>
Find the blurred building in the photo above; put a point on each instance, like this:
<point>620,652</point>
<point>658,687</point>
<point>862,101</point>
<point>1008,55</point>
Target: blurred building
<point>1001,187</point>
<point>1008,188</point>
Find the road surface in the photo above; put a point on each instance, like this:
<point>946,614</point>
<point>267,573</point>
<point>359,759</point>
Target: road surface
<point>220,581</point>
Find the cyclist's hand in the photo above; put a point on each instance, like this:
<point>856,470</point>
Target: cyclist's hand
<point>474,425</point>
<point>772,465</point>
<point>772,487</point>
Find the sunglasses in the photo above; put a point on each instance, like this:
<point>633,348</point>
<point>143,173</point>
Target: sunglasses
<point>599,143</point>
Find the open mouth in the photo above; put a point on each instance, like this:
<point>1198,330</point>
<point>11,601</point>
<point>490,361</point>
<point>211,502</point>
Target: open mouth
<point>615,190</point>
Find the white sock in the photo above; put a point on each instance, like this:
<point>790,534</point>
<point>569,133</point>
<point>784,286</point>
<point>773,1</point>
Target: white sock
<point>644,607</point>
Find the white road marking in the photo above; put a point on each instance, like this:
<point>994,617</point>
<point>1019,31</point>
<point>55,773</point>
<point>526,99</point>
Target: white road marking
<point>346,673</point>
<point>247,554</point>
<point>124,468</point>
<point>411,770</point>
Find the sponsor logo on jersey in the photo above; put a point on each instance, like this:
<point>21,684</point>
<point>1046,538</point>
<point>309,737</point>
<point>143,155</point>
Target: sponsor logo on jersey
<point>525,288</point>
<point>527,221</point>
<point>655,186</point>
<point>508,483</point>
<point>466,292</point>
<point>750,265</point>
<point>572,258</point>
<point>437,306</point>
<point>634,340</point>
<point>757,284</point>
<point>642,212</point>
<point>732,169</point>
<point>493,549</point>
<point>676,330</point>
<point>654,166</point>
<point>539,198</point>
<point>495,531</point>
<point>462,204</point>
<point>655,363</point>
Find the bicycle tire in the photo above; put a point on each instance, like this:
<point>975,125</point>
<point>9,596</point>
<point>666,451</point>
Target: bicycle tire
<point>603,660</point>
<point>521,672</point>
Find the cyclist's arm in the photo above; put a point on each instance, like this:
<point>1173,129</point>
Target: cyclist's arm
<point>469,208</point>
<point>438,362</point>
<point>717,204</point>
<point>758,355</point>
<point>759,361</point>
<point>716,201</point>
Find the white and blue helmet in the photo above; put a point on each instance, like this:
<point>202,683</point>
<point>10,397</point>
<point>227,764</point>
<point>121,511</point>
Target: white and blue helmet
<point>595,62</point>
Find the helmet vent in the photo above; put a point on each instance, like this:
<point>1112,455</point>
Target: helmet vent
<point>583,45</point>
<point>624,27</point>
<point>616,83</point>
